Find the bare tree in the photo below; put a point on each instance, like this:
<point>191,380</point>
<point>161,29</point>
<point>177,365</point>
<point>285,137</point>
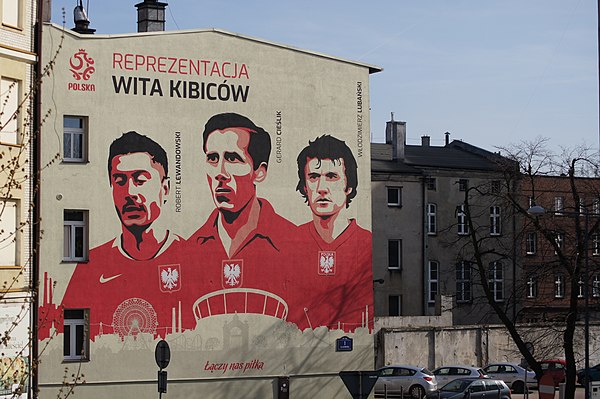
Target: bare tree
<point>562,187</point>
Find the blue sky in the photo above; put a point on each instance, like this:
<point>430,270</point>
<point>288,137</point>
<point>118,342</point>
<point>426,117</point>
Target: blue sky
<point>491,73</point>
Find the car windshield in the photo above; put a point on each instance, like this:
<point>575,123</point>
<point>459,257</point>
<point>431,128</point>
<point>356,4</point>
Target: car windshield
<point>456,386</point>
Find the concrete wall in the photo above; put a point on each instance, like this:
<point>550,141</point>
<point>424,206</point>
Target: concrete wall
<point>479,345</point>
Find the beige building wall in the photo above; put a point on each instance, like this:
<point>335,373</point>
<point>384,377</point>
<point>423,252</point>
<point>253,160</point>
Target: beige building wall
<point>296,96</point>
<point>17,62</point>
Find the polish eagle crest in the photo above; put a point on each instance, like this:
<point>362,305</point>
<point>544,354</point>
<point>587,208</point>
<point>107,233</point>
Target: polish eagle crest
<point>232,273</point>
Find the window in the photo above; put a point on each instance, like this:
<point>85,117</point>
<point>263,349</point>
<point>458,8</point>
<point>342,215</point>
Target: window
<point>395,305</point>
<point>495,221</point>
<point>559,286</point>
<point>433,281</point>
<point>495,186</point>
<point>580,288</point>
<point>558,205</point>
<point>463,184</point>
<point>596,244</point>
<point>596,206</point>
<point>530,201</point>
<point>531,243</point>
<point>9,106</point>
<point>431,219</point>
<point>394,254</point>
<point>431,183</point>
<point>581,208</point>
<point>496,281</point>
<point>532,287</point>
<point>462,226</point>
<point>8,233</point>
<point>10,12</point>
<point>559,238</point>
<point>596,286</point>
<point>463,282</point>
<point>75,235</point>
<point>394,196</point>
<point>76,344</point>
<point>75,137</point>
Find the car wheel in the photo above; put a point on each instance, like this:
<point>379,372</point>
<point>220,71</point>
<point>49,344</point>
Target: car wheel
<point>518,387</point>
<point>416,392</point>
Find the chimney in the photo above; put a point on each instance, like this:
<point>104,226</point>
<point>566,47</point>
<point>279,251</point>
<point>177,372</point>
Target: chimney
<point>151,16</point>
<point>46,10</point>
<point>425,141</point>
<point>81,20</point>
<point>447,134</point>
<point>395,134</point>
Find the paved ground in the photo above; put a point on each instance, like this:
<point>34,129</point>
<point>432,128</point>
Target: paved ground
<point>579,394</point>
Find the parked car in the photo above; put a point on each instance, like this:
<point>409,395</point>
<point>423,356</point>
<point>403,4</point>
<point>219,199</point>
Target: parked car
<point>513,375</point>
<point>593,372</point>
<point>401,379</point>
<point>445,374</point>
<point>556,368</point>
<point>472,388</point>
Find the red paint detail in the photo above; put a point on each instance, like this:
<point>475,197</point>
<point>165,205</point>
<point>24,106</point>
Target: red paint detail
<point>546,388</point>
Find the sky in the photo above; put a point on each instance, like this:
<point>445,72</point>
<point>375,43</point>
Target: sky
<point>492,73</point>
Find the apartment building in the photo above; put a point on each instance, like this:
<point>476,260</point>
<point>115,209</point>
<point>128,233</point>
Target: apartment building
<point>422,240</point>
<point>17,77</point>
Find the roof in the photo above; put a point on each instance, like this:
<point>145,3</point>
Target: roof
<point>372,68</point>
<point>389,166</point>
<point>455,155</point>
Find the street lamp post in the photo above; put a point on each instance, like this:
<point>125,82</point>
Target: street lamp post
<point>537,210</point>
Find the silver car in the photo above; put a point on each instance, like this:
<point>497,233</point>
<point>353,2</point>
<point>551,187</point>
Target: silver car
<point>473,388</point>
<point>515,376</point>
<point>445,374</point>
<point>406,380</point>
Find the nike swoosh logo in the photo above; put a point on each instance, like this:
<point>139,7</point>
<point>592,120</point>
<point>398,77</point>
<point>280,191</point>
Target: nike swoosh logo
<point>107,279</point>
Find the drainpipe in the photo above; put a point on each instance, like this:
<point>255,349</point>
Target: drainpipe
<point>35,175</point>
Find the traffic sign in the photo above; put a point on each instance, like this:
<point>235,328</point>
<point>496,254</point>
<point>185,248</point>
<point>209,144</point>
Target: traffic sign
<point>359,383</point>
<point>162,354</point>
<point>546,388</point>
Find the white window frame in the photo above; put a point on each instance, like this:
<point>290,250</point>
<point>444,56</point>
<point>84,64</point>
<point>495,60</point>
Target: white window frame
<point>495,220</point>
<point>9,222</point>
<point>73,132</point>
<point>496,281</point>
<point>463,282</point>
<point>595,244</point>
<point>559,286</point>
<point>559,204</point>
<point>399,254</point>
<point>11,13</point>
<point>532,287</point>
<point>10,97</point>
<point>596,206</point>
<point>71,325</point>
<point>70,235</point>
<point>398,299</point>
<point>580,288</point>
<point>559,238</point>
<point>596,286</point>
<point>581,208</point>
<point>398,191</point>
<point>531,243</point>
<point>433,284</point>
<point>461,217</point>
<point>431,219</point>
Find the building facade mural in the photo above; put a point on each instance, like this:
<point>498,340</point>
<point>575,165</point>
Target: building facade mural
<point>212,190</point>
